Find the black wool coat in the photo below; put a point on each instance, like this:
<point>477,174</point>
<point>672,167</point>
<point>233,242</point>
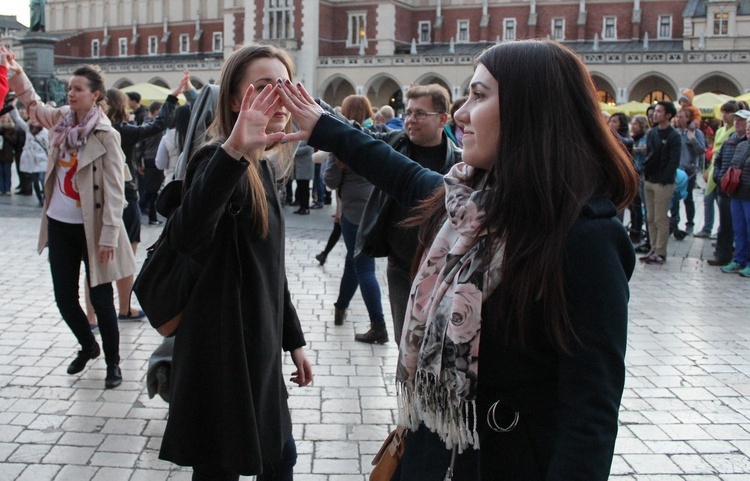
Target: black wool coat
<point>228,397</point>
<point>567,402</point>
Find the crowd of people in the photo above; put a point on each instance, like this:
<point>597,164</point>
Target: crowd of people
<point>490,224</point>
<point>671,150</point>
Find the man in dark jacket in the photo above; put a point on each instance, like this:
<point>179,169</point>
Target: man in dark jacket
<point>736,145</point>
<point>140,113</point>
<point>146,159</point>
<point>663,147</point>
<point>423,141</point>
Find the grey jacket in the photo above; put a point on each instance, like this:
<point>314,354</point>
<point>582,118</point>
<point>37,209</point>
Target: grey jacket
<point>354,190</point>
<point>741,159</point>
<point>692,151</point>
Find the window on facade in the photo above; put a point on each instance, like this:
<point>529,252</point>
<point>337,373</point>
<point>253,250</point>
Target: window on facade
<point>280,18</point>
<point>509,29</point>
<point>721,23</point>
<point>184,43</point>
<point>95,48</point>
<point>123,44</point>
<point>153,45</point>
<point>665,26</point>
<point>218,42</point>
<point>558,28</point>
<point>424,32</point>
<point>462,31</point>
<point>609,31</point>
<point>357,29</point>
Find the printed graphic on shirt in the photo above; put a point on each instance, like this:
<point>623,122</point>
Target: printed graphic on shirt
<point>67,166</point>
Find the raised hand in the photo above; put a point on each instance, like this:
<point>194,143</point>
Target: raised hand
<point>8,58</point>
<point>303,108</point>
<point>248,138</point>
<point>184,84</point>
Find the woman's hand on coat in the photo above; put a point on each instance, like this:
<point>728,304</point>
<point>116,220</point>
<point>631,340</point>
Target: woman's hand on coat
<point>303,375</point>
<point>303,108</point>
<point>105,254</point>
<point>248,138</point>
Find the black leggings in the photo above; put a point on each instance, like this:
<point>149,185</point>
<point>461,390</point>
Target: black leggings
<point>333,238</point>
<point>302,194</point>
<point>67,246</point>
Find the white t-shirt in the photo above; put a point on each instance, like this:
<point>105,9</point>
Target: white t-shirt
<point>65,202</point>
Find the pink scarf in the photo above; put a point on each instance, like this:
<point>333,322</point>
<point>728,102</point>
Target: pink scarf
<point>438,354</point>
<point>69,136</point>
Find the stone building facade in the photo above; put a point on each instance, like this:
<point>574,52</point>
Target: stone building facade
<point>641,50</point>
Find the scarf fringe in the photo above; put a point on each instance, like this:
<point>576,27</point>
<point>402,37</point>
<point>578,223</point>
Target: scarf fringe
<point>428,402</point>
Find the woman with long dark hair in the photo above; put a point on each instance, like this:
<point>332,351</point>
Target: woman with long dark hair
<point>228,412</point>
<point>522,244</point>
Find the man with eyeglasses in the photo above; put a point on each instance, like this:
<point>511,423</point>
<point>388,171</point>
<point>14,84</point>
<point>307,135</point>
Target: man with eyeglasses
<point>424,141</point>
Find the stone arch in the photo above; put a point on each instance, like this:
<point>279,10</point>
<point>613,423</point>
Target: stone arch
<point>718,83</point>
<point>651,86</point>
<point>336,88</point>
<point>606,92</point>
<point>384,89</point>
<point>160,82</point>
<point>122,83</point>
<point>433,78</point>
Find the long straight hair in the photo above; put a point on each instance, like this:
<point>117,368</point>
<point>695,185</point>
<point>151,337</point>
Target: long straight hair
<point>116,106</point>
<point>232,75</point>
<point>555,155</point>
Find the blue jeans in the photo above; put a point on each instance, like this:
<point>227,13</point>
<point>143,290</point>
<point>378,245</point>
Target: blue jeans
<point>741,224</point>
<point>359,273</point>
<point>318,186</point>
<point>708,210</point>
<point>5,176</point>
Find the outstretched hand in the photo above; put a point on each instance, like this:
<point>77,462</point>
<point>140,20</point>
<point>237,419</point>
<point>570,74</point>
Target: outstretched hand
<point>303,108</point>
<point>249,138</point>
<point>10,58</point>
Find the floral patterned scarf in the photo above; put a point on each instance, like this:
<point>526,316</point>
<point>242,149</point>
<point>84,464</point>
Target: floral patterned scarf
<point>438,355</point>
<point>70,136</point>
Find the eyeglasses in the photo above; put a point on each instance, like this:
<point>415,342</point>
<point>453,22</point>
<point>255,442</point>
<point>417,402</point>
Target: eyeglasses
<point>419,114</point>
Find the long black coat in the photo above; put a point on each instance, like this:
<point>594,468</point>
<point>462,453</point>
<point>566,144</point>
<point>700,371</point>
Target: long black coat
<point>228,397</point>
<point>568,403</point>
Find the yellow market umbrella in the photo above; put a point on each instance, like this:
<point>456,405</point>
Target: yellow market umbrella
<point>151,93</point>
<point>706,103</point>
<point>610,109</point>
<point>632,108</point>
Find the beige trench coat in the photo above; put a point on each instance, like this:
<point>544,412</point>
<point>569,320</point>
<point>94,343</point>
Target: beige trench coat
<point>100,183</point>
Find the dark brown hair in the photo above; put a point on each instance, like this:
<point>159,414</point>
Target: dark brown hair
<point>94,75</point>
<point>357,108</point>
<point>544,173</point>
<point>116,106</point>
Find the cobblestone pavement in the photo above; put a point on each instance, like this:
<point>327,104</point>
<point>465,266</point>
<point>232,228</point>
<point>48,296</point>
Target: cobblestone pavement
<point>685,413</point>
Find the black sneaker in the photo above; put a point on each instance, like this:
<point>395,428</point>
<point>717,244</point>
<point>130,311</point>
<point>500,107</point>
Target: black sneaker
<point>322,258</point>
<point>114,377</point>
<point>83,357</point>
<point>376,335</point>
<point>643,249</point>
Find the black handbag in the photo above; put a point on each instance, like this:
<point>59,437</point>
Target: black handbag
<point>371,234</point>
<point>165,283</point>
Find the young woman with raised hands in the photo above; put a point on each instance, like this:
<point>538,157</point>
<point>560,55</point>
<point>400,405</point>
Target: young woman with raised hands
<point>228,414</point>
<point>522,244</point>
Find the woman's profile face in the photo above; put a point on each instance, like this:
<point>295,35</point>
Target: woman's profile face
<point>614,123</point>
<point>635,128</point>
<point>479,118</point>
<point>262,72</point>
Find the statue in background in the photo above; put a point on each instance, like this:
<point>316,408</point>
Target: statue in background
<point>37,16</point>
